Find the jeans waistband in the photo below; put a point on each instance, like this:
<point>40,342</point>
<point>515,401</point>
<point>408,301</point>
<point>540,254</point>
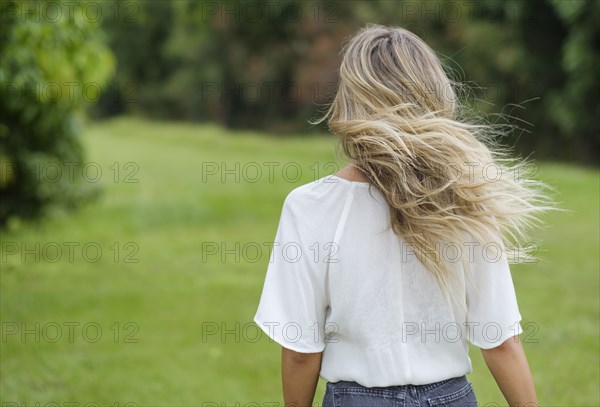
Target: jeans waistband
<point>418,387</point>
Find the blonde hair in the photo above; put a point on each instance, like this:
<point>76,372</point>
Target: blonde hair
<point>396,114</point>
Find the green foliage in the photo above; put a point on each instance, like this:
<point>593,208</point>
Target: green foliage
<point>576,106</point>
<point>272,65</point>
<point>50,65</point>
<point>137,31</point>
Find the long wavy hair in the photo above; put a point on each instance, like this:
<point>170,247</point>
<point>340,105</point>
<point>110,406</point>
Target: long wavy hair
<point>447,180</point>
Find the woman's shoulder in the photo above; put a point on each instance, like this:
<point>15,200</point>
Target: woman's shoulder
<point>323,193</point>
<point>315,208</point>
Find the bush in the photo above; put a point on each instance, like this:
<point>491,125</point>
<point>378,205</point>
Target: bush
<point>52,62</point>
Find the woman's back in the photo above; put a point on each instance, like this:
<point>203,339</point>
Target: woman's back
<point>341,282</point>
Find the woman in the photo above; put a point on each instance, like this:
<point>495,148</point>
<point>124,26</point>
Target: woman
<point>381,273</point>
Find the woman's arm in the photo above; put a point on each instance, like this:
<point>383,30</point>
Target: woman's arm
<point>508,364</point>
<point>300,374</point>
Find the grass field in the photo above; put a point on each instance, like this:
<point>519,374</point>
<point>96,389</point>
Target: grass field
<point>146,296</point>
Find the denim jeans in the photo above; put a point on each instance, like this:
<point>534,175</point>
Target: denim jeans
<point>454,392</point>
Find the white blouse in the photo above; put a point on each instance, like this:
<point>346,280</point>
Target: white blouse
<point>339,281</point>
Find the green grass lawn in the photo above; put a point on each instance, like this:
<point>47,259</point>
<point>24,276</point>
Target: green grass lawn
<point>131,325</point>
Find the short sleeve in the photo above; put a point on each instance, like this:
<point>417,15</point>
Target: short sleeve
<point>294,300</point>
<point>492,310</point>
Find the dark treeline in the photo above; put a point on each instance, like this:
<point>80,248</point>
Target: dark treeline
<point>271,65</point>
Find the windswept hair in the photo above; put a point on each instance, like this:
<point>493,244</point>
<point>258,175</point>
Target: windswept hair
<point>446,179</point>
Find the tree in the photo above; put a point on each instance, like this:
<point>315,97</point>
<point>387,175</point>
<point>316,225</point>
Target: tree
<point>53,60</point>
